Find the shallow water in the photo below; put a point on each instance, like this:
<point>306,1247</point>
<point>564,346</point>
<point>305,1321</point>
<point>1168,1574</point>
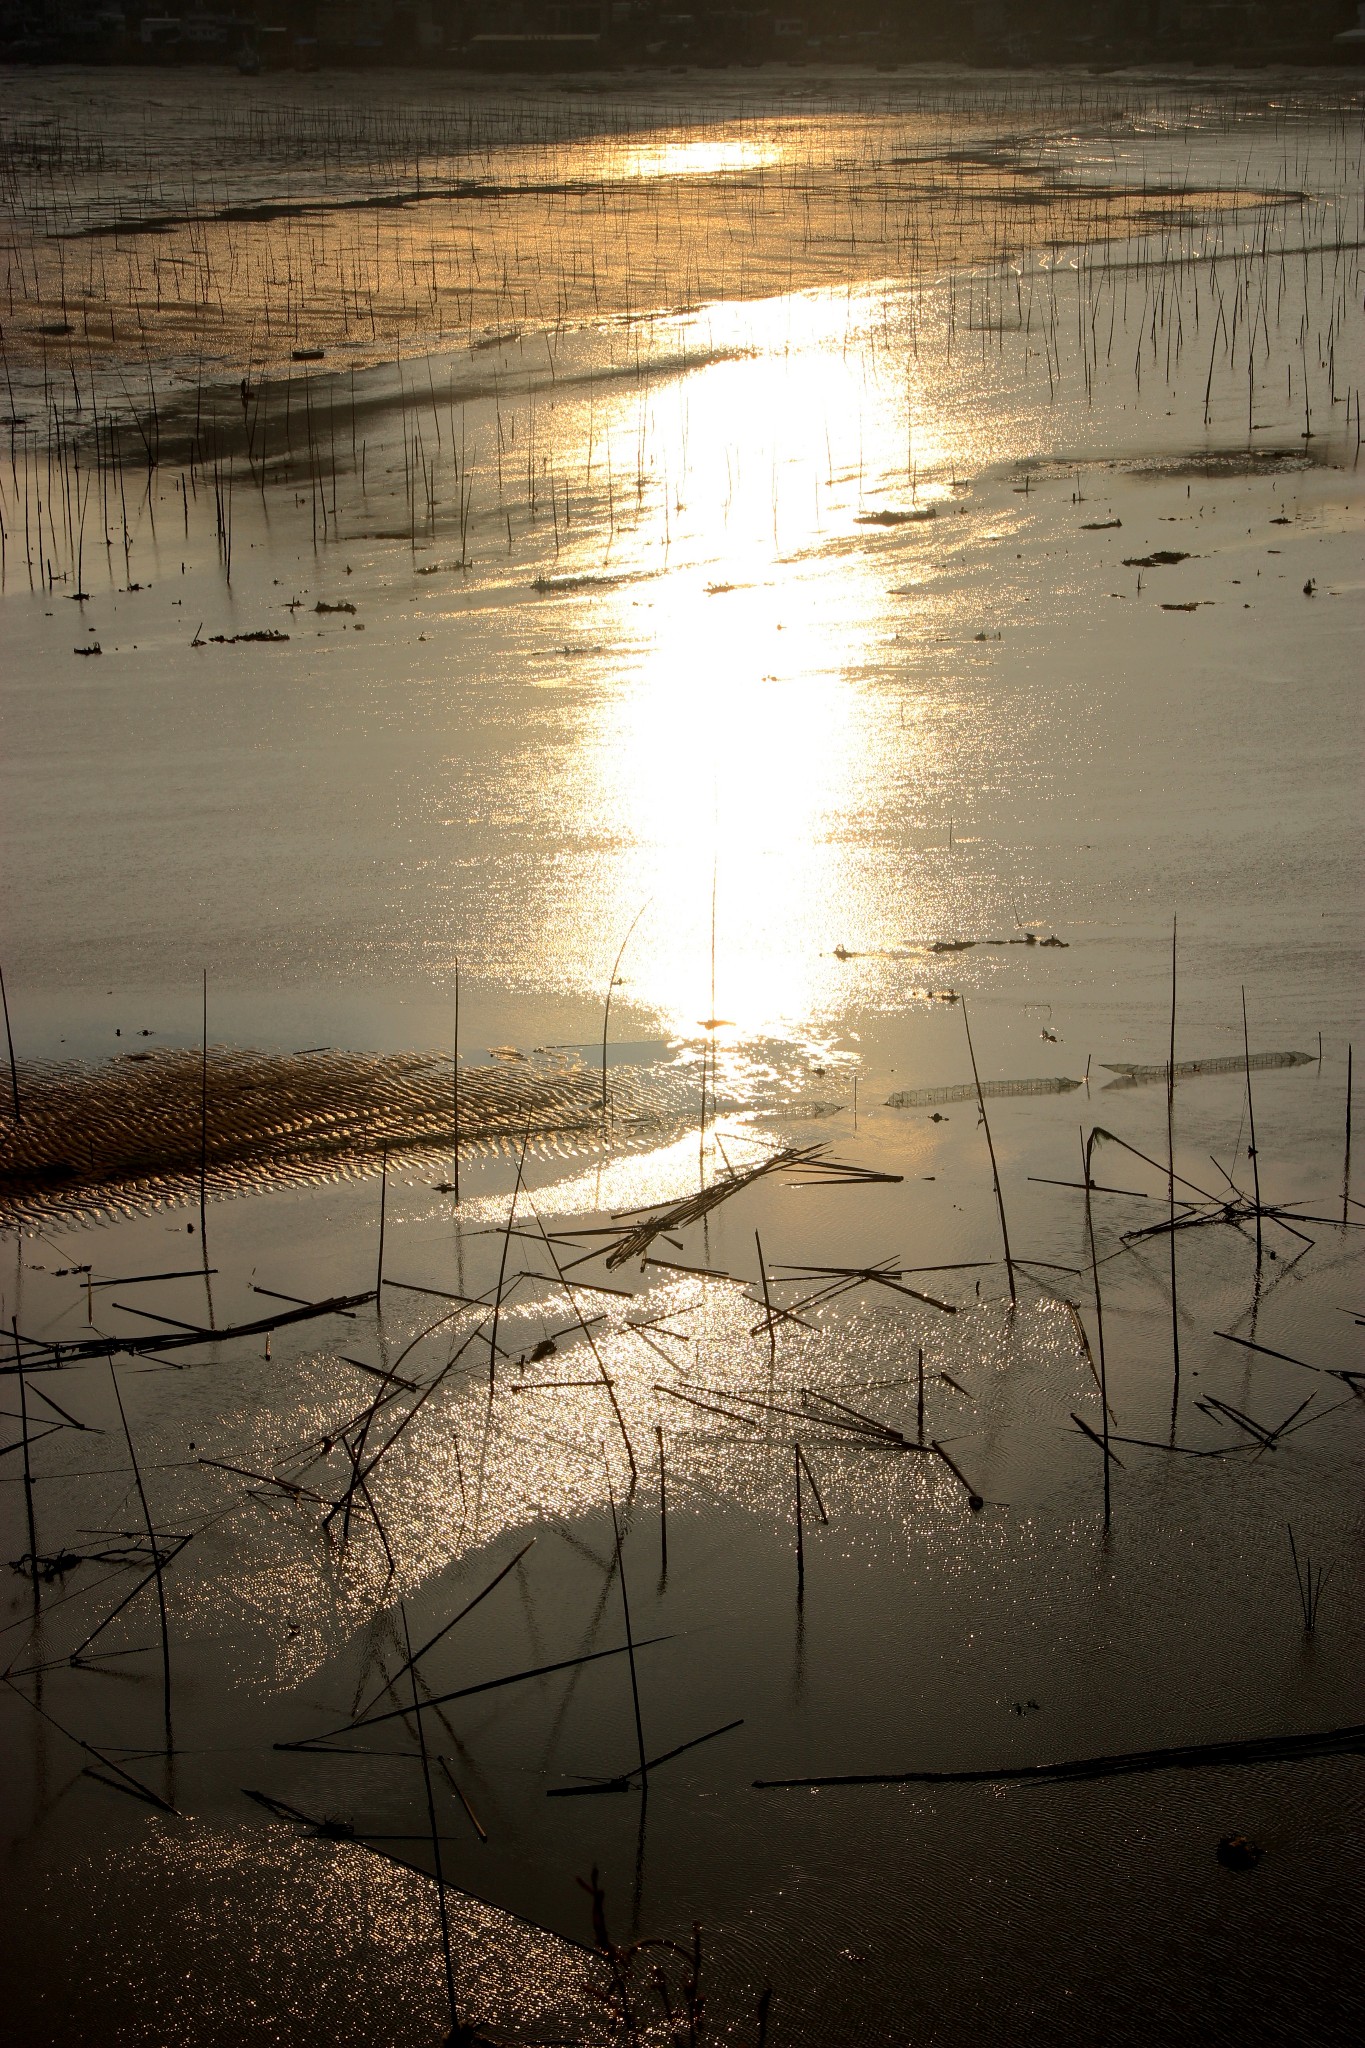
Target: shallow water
<point>633,649</point>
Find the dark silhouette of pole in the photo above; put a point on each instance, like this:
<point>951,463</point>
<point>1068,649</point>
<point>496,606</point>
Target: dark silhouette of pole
<point>9,1042</point>
<point>995,1170</point>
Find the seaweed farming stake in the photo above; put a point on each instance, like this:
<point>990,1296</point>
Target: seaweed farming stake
<point>156,1559</point>
<point>804,1462</point>
<point>606,1010</point>
<point>919,1398</point>
<point>204,1130</point>
<point>663,1506</point>
<point>800,1538</point>
<point>502,1267</point>
<point>767,1303</point>
<point>9,1043</point>
<point>995,1171</point>
<point>1346,1164</point>
<point>455,1086</point>
<point>630,1640</point>
<point>28,1474</point>
<point>383,1214</point>
<point>1170,1200</point>
<point>1099,1327</point>
<point>603,1374</point>
<point>1310,1589</point>
<point>455,2028</point>
<point>1251,1122</point>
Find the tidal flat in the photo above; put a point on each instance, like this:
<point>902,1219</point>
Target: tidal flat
<point>681,948</point>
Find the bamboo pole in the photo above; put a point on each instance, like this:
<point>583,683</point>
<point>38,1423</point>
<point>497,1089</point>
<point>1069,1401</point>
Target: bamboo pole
<point>9,1044</point>
<point>995,1171</point>
<point>1099,1327</point>
<point>630,1639</point>
<point>1170,1199</point>
<point>1251,1122</point>
<point>1346,1164</point>
<point>156,1559</point>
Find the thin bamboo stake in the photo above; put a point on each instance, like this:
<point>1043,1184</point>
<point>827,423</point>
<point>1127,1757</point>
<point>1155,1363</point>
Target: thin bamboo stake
<point>800,1534</point>
<point>204,1129</point>
<point>28,1474</point>
<point>156,1560</point>
<point>1251,1123</point>
<point>995,1171</point>
<point>1346,1165</point>
<point>9,1042</point>
<point>663,1505</point>
<point>919,1399</point>
<point>606,1010</point>
<point>435,1832</point>
<point>630,1639</point>
<point>383,1217</point>
<point>455,1086</point>
<point>1170,1199</point>
<point>767,1303</point>
<point>502,1267</point>
<point>1099,1326</point>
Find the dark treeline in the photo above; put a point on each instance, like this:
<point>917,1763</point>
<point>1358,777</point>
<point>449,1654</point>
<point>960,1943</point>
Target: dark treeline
<point>558,35</point>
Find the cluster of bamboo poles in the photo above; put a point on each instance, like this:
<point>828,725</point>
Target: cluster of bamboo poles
<point>1261,280</point>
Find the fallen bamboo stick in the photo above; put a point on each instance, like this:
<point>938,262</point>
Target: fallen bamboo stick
<point>1187,1756</point>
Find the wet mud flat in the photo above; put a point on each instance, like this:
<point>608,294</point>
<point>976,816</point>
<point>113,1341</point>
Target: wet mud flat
<point>148,1127</point>
<point>883,1484</point>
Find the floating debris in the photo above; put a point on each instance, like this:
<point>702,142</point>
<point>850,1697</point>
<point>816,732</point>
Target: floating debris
<point>888,518</point>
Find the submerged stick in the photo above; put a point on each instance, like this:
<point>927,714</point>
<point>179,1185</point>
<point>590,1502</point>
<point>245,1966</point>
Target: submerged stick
<point>995,1171</point>
<point>663,1505</point>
